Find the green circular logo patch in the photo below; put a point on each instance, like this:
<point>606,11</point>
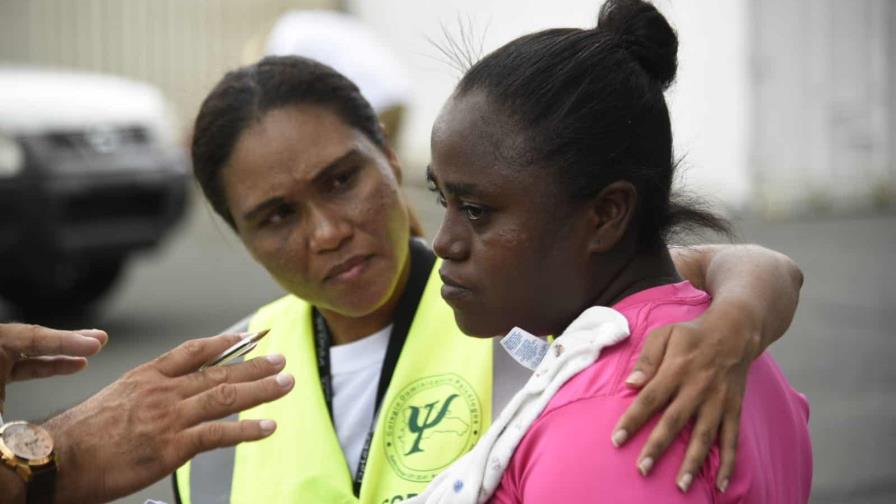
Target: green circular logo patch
<point>429,424</point>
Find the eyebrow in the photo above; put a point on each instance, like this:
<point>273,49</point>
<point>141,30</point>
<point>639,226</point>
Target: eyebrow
<point>276,201</point>
<point>457,189</point>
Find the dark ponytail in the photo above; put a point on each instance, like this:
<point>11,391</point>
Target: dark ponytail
<point>590,105</point>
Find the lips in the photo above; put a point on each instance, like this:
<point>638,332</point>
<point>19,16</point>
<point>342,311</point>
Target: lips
<point>453,290</point>
<point>350,268</point>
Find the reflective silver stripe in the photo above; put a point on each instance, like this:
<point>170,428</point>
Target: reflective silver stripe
<point>508,377</point>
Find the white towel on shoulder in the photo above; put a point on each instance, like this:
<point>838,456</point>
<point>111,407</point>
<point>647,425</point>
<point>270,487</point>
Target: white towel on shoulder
<point>474,477</point>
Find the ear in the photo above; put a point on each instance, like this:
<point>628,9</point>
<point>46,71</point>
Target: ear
<point>611,212</point>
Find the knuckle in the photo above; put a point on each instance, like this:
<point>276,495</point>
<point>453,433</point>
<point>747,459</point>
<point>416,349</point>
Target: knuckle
<point>735,410</point>
<point>34,335</point>
<point>674,420</point>
<point>649,398</point>
<point>731,442</point>
<point>216,374</point>
<point>704,437</point>
<point>679,365</point>
<point>705,387</point>
<point>261,365</point>
<point>212,435</point>
<point>225,395</point>
<point>192,347</point>
<point>645,360</point>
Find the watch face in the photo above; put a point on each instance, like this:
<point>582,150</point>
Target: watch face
<point>27,441</point>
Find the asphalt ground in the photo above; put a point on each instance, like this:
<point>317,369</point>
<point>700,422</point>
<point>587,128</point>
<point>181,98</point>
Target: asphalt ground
<point>838,351</point>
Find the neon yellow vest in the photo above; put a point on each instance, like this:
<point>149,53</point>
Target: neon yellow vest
<point>435,409</point>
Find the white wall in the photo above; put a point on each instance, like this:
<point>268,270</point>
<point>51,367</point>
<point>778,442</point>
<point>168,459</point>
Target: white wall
<point>825,100</point>
<point>709,102</point>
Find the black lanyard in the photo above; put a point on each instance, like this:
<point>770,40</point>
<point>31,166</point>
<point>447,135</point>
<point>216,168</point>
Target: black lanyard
<point>422,261</point>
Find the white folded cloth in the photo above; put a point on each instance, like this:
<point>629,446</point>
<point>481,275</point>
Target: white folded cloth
<point>474,477</point>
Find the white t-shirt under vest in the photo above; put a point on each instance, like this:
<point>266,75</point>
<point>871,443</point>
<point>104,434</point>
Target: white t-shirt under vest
<point>355,368</point>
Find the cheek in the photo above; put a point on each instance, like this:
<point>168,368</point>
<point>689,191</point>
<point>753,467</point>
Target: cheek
<point>515,270</point>
<point>383,213</point>
<point>282,255</point>
<point>506,257</point>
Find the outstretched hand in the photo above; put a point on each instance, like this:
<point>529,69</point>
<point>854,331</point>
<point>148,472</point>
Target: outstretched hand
<point>156,417</point>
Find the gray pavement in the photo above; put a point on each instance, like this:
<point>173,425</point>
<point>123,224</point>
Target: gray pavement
<point>838,351</point>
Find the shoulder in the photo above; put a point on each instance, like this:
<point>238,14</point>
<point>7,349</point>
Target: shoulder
<point>580,431</point>
<point>661,305</point>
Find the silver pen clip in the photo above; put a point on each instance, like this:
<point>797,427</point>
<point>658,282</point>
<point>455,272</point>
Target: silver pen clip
<point>237,350</point>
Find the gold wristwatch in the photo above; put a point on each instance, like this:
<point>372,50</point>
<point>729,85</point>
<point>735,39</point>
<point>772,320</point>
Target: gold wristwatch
<point>28,449</point>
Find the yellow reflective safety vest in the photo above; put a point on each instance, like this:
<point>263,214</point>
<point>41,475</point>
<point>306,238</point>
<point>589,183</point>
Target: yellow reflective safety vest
<point>437,405</point>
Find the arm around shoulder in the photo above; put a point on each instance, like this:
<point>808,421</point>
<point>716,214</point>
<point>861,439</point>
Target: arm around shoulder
<point>750,283</point>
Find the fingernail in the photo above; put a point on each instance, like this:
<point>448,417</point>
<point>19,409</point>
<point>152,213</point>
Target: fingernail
<point>645,465</point>
<point>276,359</point>
<point>619,437</point>
<point>267,426</point>
<point>285,380</point>
<point>723,485</point>
<point>685,482</point>
<point>95,343</point>
<point>636,378</point>
<point>94,334</point>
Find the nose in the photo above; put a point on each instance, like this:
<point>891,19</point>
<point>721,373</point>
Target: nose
<point>452,242</point>
<point>329,231</point>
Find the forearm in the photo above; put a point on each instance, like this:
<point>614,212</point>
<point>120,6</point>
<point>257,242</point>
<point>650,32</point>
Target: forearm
<point>66,473</point>
<point>747,282</point>
<point>12,486</point>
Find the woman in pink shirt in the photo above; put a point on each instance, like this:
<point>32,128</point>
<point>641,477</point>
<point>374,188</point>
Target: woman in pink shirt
<point>554,161</point>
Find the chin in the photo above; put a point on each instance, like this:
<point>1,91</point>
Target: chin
<point>478,327</point>
<point>362,306</point>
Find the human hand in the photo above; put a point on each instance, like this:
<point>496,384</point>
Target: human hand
<point>31,351</point>
<point>699,369</point>
<point>154,418</point>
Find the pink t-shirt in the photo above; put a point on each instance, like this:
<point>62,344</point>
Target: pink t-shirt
<point>567,456</point>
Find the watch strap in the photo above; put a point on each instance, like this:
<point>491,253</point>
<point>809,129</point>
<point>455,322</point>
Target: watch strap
<point>42,487</point>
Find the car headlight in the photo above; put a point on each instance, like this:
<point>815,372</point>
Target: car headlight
<point>12,159</point>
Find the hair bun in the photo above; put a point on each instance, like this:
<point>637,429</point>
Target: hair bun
<point>645,34</point>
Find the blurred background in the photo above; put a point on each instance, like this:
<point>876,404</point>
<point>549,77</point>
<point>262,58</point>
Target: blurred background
<point>784,114</point>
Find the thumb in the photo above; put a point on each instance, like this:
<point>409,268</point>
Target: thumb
<point>650,358</point>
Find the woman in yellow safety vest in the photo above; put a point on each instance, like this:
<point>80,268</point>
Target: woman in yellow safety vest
<point>388,392</point>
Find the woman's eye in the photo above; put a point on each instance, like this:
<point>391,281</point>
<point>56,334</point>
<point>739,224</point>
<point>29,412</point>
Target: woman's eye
<point>473,212</point>
<point>344,178</point>
<point>440,199</point>
<point>279,214</point>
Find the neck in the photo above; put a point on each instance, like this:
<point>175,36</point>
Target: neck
<point>643,271</point>
<point>346,329</point>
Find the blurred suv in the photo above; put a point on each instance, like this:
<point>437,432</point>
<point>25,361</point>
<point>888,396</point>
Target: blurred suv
<point>91,171</point>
